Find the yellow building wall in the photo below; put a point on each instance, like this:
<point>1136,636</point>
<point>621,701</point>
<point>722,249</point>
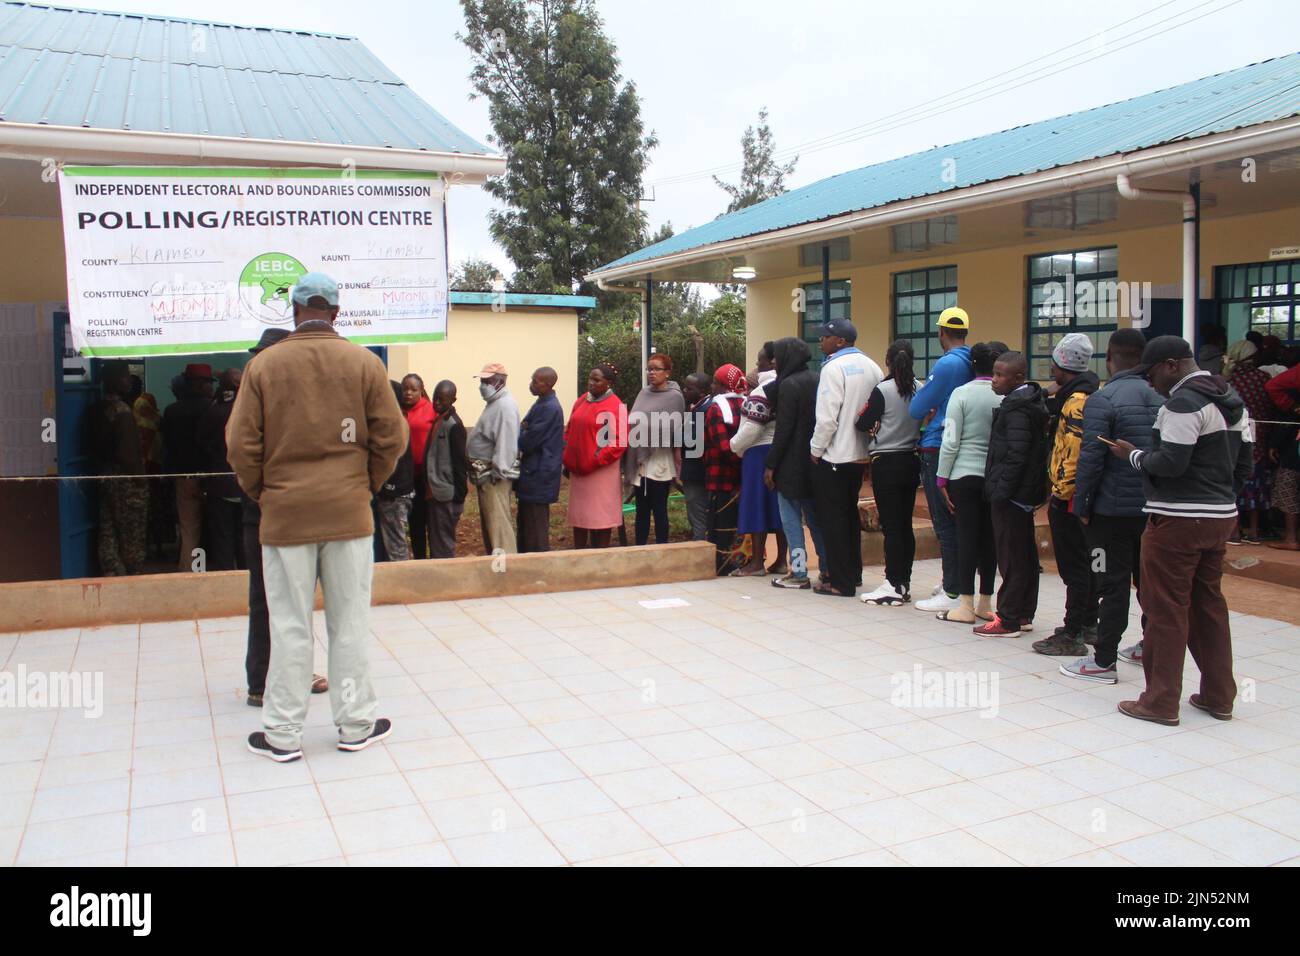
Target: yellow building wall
<point>991,284</point>
<point>31,261</point>
<point>520,339</point>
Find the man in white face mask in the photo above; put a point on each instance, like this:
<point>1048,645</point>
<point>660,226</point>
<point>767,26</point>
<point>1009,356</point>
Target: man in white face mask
<point>493,453</point>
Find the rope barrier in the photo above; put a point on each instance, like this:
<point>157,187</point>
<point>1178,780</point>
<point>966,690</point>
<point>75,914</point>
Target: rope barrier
<point>170,474</point>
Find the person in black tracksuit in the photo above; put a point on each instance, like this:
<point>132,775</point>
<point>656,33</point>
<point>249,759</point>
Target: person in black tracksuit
<point>1015,483</point>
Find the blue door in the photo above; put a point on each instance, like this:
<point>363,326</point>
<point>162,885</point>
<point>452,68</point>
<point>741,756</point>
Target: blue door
<point>78,500</point>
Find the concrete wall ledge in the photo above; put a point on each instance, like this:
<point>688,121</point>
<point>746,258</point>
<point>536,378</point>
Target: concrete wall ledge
<point>86,602</point>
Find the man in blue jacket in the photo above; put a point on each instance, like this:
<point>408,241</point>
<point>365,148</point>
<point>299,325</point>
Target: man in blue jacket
<point>950,372</point>
<point>541,450</point>
<point>1108,499</point>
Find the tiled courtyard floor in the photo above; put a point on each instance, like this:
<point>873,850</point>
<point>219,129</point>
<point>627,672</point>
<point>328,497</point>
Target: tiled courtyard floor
<point>750,726</point>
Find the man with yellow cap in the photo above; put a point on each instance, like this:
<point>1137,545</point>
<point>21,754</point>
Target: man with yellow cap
<point>951,371</point>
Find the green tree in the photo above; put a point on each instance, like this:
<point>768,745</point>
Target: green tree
<point>474,275</point>
<point>571,130</point>
<point>761,176</point>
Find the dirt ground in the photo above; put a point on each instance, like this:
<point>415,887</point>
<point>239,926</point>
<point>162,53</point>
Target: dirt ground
<point>469,533</point>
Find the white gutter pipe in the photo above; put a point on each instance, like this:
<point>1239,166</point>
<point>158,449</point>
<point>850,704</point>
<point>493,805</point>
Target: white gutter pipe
<point>1191,290</point>
<point>1234,144</point>
<point>71,144</point>
<point>640,289</point>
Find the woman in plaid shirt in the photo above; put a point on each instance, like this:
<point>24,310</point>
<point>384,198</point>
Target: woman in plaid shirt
<point>722,465</point>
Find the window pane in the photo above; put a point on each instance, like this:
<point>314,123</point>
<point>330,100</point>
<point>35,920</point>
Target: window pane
<point>950,277</point>
<point>1108,260</point>
<point>1085,262</point>
<point>1239,284</point>
<point>1063,264</point>
<point>1040,267</point>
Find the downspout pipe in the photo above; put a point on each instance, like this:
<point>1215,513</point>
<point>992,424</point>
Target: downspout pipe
<point>1191,217</point>
<point>641,290</point>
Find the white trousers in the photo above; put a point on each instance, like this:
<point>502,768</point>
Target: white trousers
<point>290,573</point>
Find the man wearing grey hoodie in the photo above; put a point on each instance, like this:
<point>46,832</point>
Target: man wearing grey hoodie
<point>493,457</point>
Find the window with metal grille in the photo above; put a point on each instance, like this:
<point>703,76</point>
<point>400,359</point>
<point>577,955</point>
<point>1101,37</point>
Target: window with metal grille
<point>810,321</point>
<point>1071,292</point>
<point>920,296</point>
<point>1260,296</point>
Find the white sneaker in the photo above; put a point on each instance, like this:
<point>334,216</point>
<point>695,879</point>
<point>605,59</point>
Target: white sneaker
<point>886,593</point>
<point>938,602</point>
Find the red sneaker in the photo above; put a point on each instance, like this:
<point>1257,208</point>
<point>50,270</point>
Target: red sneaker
<point>997,628</point>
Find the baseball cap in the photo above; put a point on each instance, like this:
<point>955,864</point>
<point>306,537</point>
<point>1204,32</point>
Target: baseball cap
<point>840,328</point>
<point>1163,348</point>
<point>954,318</point>
<point>316,284</point>
<point>490,369</point>
<point>269,338</point>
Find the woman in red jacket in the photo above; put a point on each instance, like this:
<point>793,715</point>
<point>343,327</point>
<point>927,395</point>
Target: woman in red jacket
<point>593,443</point>
<point>419,417</point>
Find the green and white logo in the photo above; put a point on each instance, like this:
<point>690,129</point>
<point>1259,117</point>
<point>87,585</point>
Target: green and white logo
<point>264,286</point>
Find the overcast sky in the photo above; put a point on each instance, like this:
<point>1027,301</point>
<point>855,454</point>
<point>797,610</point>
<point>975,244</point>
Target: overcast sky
<point>704,68</point>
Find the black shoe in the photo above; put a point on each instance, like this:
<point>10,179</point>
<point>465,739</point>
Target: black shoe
<point>383,727</point>
<point>1061,644</point>
<point>1089,636</point>
<point>254,700</point>
<point>257,744</point>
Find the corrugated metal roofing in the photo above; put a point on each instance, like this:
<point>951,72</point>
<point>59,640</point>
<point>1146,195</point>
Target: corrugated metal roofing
<point>67,67</point>
<point>536,300</point>
<point>1243,97</point>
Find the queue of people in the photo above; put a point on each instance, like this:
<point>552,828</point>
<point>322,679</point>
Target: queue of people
<point>1146,473</point>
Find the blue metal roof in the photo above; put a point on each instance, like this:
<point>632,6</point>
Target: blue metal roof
<point>1243,97</point>
<point>536,300</point>
<point>67,67</point>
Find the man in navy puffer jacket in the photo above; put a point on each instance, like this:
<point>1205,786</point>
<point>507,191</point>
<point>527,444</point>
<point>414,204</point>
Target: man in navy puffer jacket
<point>1108,498</point>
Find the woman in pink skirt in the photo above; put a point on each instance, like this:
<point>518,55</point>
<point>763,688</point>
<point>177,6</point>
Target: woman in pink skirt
<point>593,444</point>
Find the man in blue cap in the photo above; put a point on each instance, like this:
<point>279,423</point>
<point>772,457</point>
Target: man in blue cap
<point>315,431</point>
<point>839,454</point>
<point>258,657</point>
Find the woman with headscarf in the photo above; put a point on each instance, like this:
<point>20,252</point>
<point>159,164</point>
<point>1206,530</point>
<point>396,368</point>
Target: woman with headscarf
<point>759,512</point>
<point>594,441</point>
<point>722,465</point>
<point>1250,383</point>
<point>653,462</point>
<point>419,418</point>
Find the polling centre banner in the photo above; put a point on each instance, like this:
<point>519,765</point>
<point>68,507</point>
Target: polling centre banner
<point>187,260</point>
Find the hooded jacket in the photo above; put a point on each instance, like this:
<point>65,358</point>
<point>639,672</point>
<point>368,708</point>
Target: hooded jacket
<point>795,394</point>
<point>1016,469</point>
<point>1125,408</point>
<point>1067,432</point>
<point>1202,453</point>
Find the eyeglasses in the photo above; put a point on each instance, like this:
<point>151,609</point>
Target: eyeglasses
<point>654,369</point>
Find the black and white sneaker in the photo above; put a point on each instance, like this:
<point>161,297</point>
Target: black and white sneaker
<point>886,593</point>
<point>257,744</point>
<point>383,727</point>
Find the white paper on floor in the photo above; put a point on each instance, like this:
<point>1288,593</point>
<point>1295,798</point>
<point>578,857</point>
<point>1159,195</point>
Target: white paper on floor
<point>664,602</point>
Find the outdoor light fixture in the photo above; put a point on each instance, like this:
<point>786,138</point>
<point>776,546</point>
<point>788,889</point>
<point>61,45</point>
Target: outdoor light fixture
<point>744,272</point>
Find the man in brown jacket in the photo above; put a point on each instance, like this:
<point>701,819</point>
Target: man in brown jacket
<point>314,432</point>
